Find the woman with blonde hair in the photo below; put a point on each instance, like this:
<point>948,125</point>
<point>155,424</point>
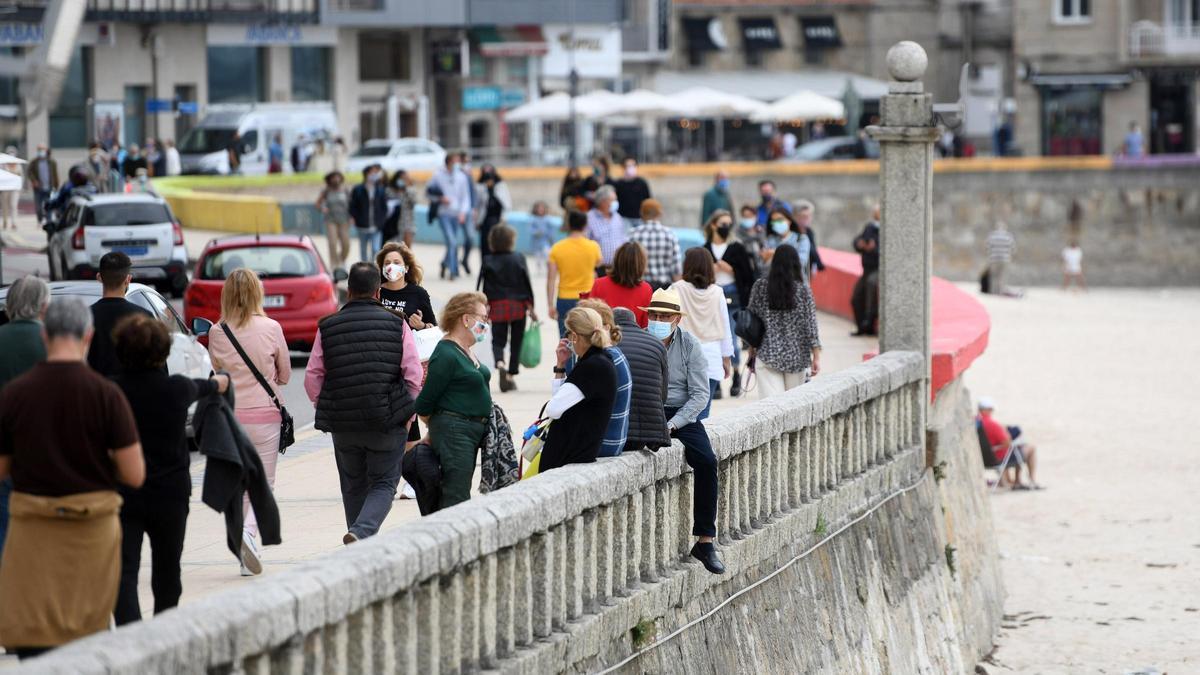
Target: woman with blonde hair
<point>401,290</point>
<point>582,404</point>
<point>618,425</point>
<point>244,324</point>
<point>455,404</point>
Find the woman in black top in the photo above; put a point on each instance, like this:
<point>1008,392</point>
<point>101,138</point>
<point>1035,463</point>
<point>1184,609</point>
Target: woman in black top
<point>582,404</point>
<point>159,508</point>
<point>734,274</point>
<point>504,279</point>
<point>401,290</point>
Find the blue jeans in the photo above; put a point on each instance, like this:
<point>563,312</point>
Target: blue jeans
<point>712,390</point>
<point>368,466</point>
<point>450,228</point>
<point>369,242</point>
<point>731,294</point>
<point>564,305</point>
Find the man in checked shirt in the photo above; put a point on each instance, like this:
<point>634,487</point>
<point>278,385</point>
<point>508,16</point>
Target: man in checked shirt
<point>662,247</point>
<point>606,226</point>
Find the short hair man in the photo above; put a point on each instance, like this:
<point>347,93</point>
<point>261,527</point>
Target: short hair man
<point>687,396</point>
<point>1003,440</point>
<point>21,347</point>
<point>647,359</point>
<point>364,375</point>
<point>766,190</point>
<point>631,191</point>
<point>716,198</point>
<point>62,561</point>
<point>455,205</point>
<point>115,276</point>
<point>1000,248</point>
<point>663,264</point>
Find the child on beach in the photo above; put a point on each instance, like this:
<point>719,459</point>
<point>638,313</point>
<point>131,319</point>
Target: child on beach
<point>541,234</point>
<point>1072,257</point>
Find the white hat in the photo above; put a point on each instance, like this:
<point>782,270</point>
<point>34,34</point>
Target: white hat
<point>986,403</point>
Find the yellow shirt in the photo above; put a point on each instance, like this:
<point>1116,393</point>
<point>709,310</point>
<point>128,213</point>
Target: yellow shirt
<point>576,259</point>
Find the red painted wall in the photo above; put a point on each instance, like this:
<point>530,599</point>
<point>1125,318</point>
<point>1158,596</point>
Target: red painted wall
<point>960,324</point>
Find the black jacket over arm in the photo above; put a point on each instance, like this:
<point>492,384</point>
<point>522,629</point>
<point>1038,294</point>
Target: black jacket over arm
<point>233,467</point>
<point>743,268</point>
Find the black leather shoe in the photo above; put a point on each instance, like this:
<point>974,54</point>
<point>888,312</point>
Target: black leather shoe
<point>707,555</point>
<point>735,388</point>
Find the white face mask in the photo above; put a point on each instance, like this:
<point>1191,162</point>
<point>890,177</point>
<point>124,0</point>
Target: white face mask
<point>394,271</point>
<point>615,205</point>
<point>631,172</point>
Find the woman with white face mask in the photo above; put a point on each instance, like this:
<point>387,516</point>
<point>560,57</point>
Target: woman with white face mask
<point>582,403</point>
<point>401,290</point>
<point>455,403</point>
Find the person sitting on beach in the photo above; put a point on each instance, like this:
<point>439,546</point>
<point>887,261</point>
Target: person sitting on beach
<point>1002,438</point>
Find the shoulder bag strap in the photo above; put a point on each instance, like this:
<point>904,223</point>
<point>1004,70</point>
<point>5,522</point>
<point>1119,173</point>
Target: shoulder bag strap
<point>250,364</point>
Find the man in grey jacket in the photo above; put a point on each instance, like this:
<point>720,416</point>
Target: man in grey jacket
<point>687,396</point>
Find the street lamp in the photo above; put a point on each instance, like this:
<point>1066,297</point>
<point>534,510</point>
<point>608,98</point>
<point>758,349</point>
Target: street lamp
<point>573,88</point>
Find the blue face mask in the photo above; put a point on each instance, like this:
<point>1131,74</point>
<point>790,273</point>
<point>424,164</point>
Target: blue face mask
<point>659,329</point>
<point>748,223</point>
<point>480,331</point>
<point>780,227</point>
<point>723,184</point>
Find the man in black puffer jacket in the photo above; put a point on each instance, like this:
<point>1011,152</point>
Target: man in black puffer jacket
<point>648,365</point>
<point>364,375</point>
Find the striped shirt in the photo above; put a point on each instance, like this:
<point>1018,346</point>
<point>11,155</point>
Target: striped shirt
<point>608,231</point>
<point>1000,246</point>
<point>618,426</point>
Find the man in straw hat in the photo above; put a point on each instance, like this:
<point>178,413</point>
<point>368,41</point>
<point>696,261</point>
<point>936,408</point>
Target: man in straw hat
<point>687,396</point>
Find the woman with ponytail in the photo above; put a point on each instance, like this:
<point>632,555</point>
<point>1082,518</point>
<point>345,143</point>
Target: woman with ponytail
<point>582,404</point>
<point>618,425</point>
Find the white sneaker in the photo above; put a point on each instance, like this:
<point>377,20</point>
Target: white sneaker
<point>245,572</point>
<point>407,491</point>
<point>250,561</point>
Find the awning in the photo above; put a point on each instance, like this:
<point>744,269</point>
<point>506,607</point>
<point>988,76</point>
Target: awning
<point>510,41</point>
<point>704,34</point>
<point>820,32</point>
<point>760,33</point>
<point>1097,80</point>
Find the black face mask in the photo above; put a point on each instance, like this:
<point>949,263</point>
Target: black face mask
<point>723,231</point>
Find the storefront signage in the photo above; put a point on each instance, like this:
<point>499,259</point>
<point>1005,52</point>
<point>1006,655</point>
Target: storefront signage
<point>274,34</point>
<point>16,34</point>
<point>596,50</point>
<point>491,98</point>
<point>159,105</point>
<point>447,58</point>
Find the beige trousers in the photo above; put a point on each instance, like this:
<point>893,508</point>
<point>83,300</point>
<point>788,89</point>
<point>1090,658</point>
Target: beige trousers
<point>771,381</point>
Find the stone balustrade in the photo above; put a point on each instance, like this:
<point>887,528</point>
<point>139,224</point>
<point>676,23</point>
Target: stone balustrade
<point>553,573</point>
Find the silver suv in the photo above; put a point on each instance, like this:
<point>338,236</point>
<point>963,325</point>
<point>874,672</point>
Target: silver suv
<point>138,225</point>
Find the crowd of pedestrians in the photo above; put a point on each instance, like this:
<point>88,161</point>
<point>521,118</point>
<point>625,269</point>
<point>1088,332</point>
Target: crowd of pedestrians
<point>647,335</point>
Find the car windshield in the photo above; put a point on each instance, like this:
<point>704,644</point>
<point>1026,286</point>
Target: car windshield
<point>205,140</point>
<point>373,151</point>
<point>124,215</point>
<point>269,262</point>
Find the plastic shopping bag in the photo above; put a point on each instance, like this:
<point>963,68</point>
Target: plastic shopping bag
<point>531,346</point>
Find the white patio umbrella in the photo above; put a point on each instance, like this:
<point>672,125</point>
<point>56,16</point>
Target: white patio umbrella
<point>706,102</point>
<point>645,103</point>
<point>6,158</point>
<point>804,106</point>
<point>552,108</point>
<point>10,181</point>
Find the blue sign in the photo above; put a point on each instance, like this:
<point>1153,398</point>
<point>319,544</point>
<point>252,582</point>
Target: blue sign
<point>481,98</point>
<point>21,34</point>
<point>159,105</point>
<point>188,108</point>
<point>511,98</point>
<point>274,35</point>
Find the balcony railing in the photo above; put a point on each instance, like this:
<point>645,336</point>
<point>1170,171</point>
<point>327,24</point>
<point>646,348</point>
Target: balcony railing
<point>212,11</point>
<point>1150,39</point>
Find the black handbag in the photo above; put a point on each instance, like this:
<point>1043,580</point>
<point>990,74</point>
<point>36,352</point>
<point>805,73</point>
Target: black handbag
<point>287,426</point>
<point>749,326</point>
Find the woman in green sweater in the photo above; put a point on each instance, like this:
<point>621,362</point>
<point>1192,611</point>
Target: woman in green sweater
<point>456,404</point>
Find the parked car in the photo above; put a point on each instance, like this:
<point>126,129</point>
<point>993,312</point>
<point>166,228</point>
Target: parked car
<point>188,357</point>
<point>410,154</point>
<point>139,225</point>
<point>205,149</point>
<point>837,147</point>
<point>297,287</point>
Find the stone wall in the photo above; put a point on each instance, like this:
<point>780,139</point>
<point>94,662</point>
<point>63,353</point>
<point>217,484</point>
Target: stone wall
<point>1141,225</point>
<point>581,568</point>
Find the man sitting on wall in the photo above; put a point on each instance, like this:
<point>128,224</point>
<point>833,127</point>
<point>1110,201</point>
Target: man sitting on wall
<point>1005,439</point>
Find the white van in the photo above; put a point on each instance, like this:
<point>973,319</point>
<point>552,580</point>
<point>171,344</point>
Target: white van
<point>204,150</point>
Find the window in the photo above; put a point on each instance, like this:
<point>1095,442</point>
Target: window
<point>1071,121</point>
<point>267,261</point>
<point>384,57</point>
<point>310,74</point>
<point>128,214</point>
<point>135,113</point>
<point>1072,11</point>
<point>237,75</point>
<point>68,120</point>
<point>164,313</point>
<point>8,85</point>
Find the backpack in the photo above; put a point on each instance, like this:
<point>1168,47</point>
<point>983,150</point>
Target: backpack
<point>498,458</point>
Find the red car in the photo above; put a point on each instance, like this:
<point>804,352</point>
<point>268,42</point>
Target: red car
<point>297,287</point>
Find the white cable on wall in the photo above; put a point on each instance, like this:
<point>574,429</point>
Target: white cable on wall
<point>679,631</point>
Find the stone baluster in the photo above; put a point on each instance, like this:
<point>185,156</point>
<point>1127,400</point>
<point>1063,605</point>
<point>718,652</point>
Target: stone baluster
<point>523,594</point>
<point>575,567</point>
<point>635,524</point>
<point>649,570</point>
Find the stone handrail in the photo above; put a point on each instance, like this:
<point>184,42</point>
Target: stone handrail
<point>583,552</point>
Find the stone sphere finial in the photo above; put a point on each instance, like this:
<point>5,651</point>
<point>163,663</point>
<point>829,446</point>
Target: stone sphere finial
<point>906,61</point>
